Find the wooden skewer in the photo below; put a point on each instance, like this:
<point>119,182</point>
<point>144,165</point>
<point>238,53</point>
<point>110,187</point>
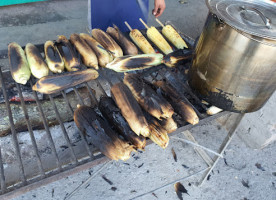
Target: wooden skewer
<point>144,23</point>
<point>129,27</point>
<point>159,22</point>
<point>88,31</point>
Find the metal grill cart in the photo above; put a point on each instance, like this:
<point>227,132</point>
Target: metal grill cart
<point>40,160</point>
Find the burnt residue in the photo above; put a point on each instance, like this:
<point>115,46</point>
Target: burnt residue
<point>245,183</point>
<point>112,113</point>
<point>15,57</point>
<point>102,38</point>
<point>178,57</point>
<point>35,53</point>
<point>174,155</point>
<point>180,189</point>
<point>153,103</point>
<point>181,90</point>
<point>63,147</point>
<point>259,166</point>
<point>67,51</point>
<point>274,173</point>
<point>113,189</point>
<point>140,165</point>
<point>154,195</point>
<point>185,166</point>
<point>208,177</point>
<point>107,180</point>
<point>134,62</point>
<point>225,162</point>
<point>53,54</point>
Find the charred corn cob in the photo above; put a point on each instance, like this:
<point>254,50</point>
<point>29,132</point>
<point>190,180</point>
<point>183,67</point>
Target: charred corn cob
<point>112,113</point>
<point>130,109</point>
<point>173,36</point>
<point>158,134</point>
<point>19,66</point>
<point>88,56</point>
<point>169,124</point>
<point>148,99</point>
<point>55,83</point>
<point>137,62</point>
<point>181,107</point>
<point>37,65</point>
<point>127,46</point>
<point>103,137</point>
<point>175,58</point>
<point>53,57</point>
<point>142,43</point>
<point>108,43</point>
<point>69,56</point>
<point>104,57</point>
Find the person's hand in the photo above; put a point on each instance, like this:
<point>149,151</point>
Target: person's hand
<point>159,7</point>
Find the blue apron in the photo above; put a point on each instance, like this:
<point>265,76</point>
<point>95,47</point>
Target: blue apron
<point>105,13</point>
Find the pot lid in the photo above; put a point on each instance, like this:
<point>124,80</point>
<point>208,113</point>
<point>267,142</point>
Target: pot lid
<point>255,17</point>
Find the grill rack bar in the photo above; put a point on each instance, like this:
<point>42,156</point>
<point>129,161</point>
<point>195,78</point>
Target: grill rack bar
<point>2,176</point>
<point>49,136</point>
<point>82,136</point>
<point>13,131</point>
<point>30,129</point>
<point>65,134</point>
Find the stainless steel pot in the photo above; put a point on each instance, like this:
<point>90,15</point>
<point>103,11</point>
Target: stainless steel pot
<point>234,67</point>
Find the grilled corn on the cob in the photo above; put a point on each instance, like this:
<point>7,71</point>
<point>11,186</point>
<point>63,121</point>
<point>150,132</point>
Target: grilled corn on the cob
<point>69,56</point>
<point>148,99</point>
<point>108,43</point>
<point>158,134</point>
<point>103,137</point>
<point>181,107</point>
<point>173,36</point>
<point>53,57</point>
<point>130,109</point>
<point>142,43</point>
<point>156,37</point>
<point>131,63</point>
<point>88,56</point>
<point>169,124</point>
<point>175,58</point>
<point>37,65</point>
<point>112,113</point>
<point>55,83</point>
<point>128,47</point>
<point>104,57</point>
<point>19,66</point>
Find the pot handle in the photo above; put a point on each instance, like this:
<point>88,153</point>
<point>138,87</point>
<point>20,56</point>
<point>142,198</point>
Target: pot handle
<point>263,17</point>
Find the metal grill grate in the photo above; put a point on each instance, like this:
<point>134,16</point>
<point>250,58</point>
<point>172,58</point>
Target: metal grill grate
<point>102,87</point>
<point>59,163</point>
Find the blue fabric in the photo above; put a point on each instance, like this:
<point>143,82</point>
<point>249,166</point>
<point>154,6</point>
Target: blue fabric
<point>104,13</point>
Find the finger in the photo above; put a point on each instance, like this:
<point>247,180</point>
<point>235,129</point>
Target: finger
<point>155,10</point>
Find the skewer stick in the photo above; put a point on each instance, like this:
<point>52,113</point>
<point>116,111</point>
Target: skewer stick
<point>128,26</point>
<point>88,31</point>
<point>159,22</point>
<point>144,23</point>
